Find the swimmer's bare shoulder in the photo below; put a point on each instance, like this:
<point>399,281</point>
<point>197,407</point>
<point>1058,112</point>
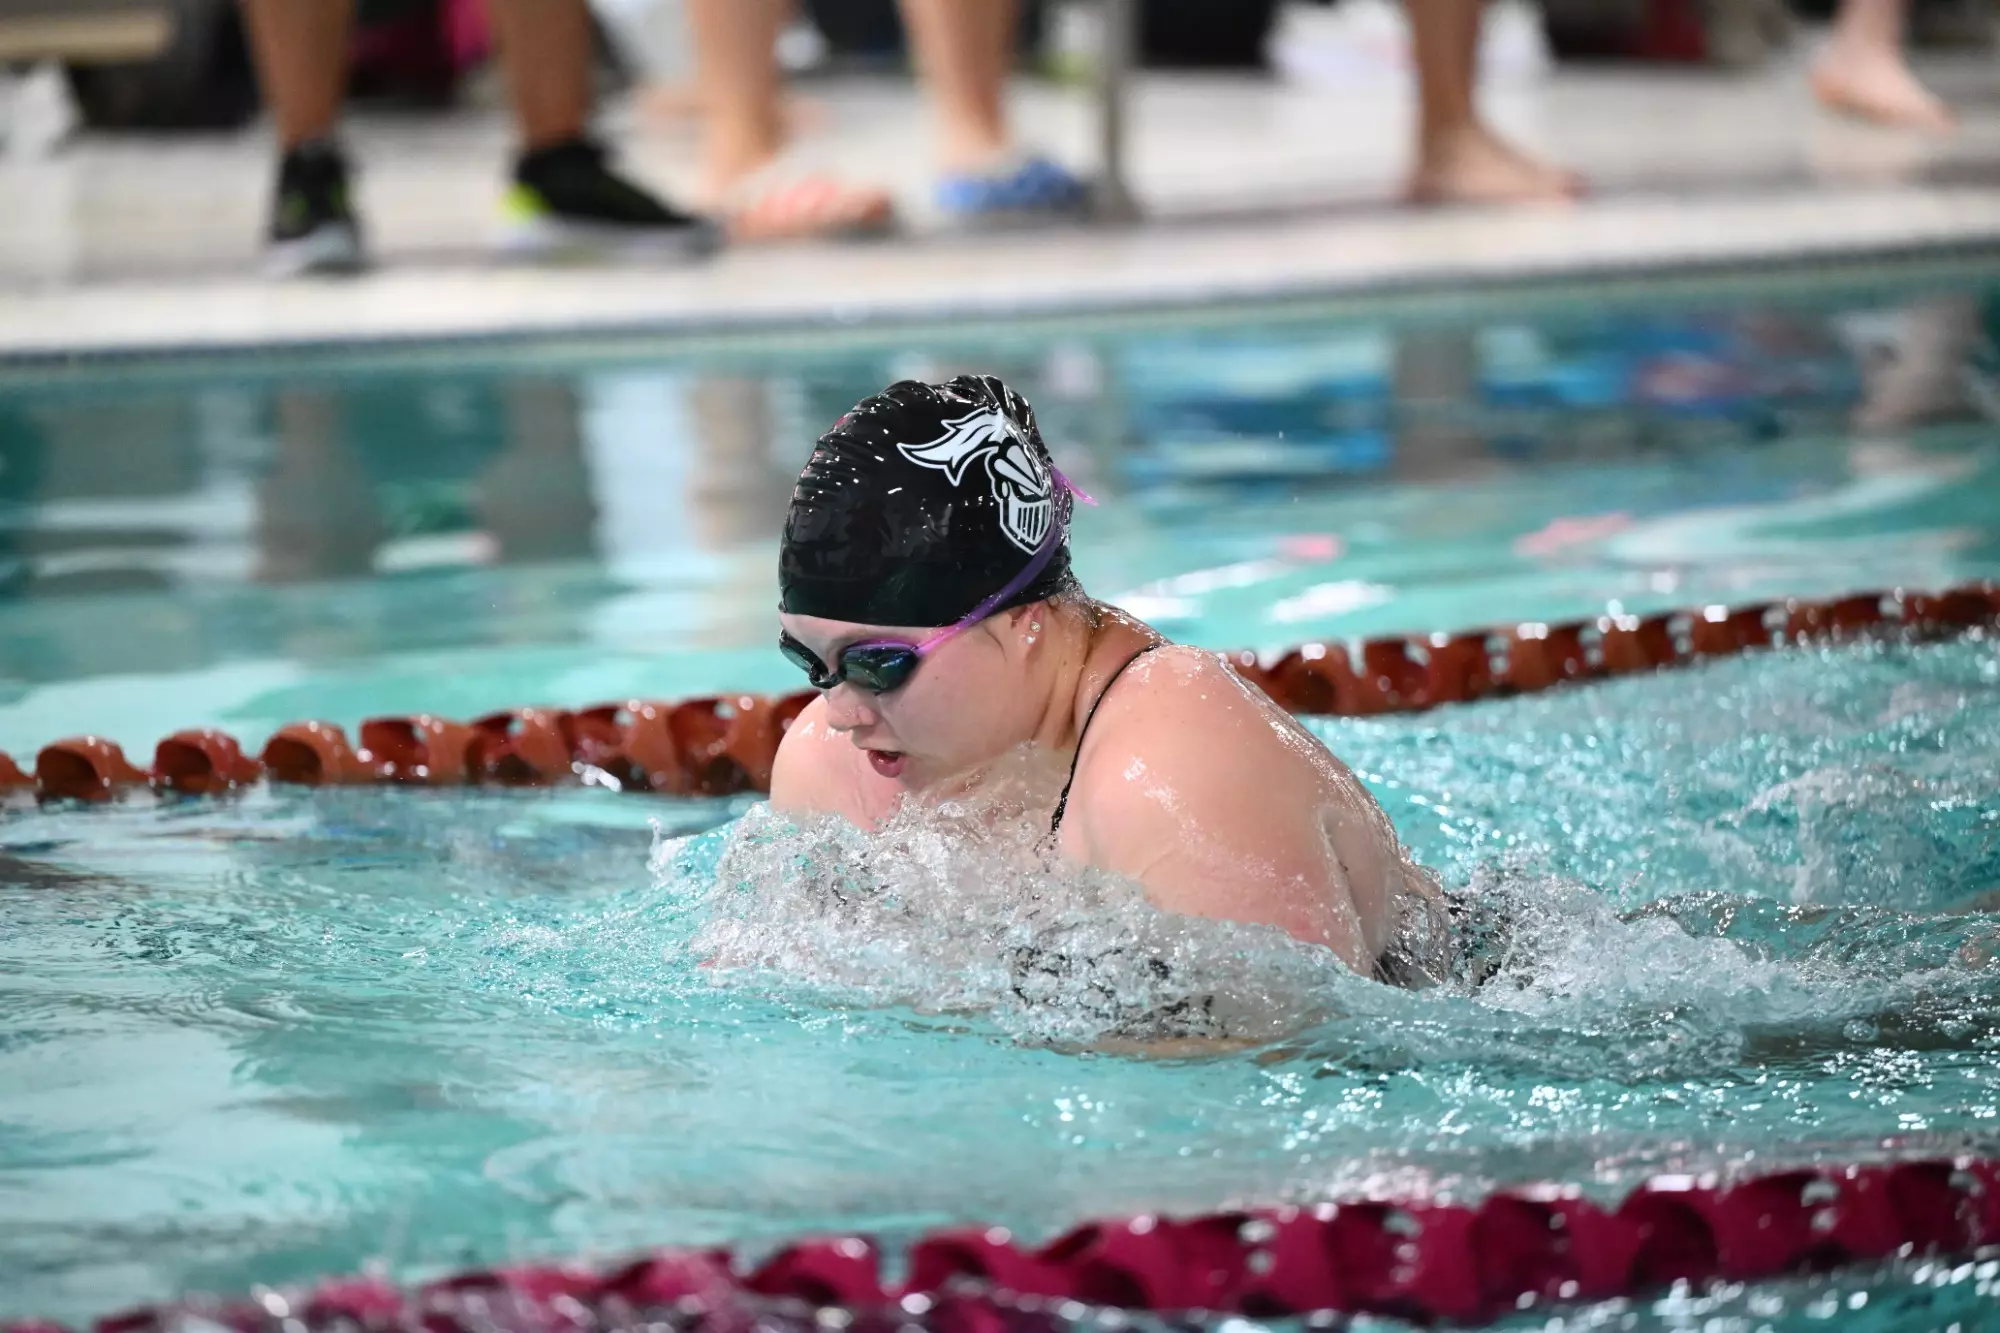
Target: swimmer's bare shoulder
<point>818,772</point>
<point>1222,805</point>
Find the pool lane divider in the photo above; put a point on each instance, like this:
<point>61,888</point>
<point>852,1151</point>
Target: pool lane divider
<point>724,744</point>
<point>1426,1261</point>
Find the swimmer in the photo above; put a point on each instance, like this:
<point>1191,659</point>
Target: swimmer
<point>926,592</point>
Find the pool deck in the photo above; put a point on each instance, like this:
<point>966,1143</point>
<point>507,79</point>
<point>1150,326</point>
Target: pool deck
<point>1252,188</point>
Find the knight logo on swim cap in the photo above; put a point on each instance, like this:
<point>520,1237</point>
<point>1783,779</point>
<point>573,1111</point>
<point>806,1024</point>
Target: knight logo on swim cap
<point>1017,477</point>
<point>917,507</point>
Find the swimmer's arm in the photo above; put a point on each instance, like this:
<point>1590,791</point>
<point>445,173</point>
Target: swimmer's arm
<point>1192,810</point>
<point>808,776</point>
<point>793,772</point>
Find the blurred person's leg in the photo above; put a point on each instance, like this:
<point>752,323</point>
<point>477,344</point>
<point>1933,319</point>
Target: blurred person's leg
<point>739,85</point>
<point>565,196</point>
<point>964,51</point>
<point>1460,159</point>
<point>671,91</point>
<point>301,47</point>
<point>1862,70</point>
<point>546,50</point>
<point>747,180</point>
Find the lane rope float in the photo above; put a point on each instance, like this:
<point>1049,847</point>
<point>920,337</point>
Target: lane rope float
<point>1518,1249</point>
<point>718,745</point>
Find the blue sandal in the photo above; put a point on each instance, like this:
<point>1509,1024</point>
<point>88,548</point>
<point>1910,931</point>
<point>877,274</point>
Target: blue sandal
<point>1036,190</point>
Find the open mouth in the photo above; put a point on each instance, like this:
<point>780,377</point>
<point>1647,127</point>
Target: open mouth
<point>889,763</point>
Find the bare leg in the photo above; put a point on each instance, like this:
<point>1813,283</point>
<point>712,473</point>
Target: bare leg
<point>747,129</point>
<point>1862,70</point>
<point>545,46</point>
<point>301,48</point>
<point>1459,159</point>
<point>738,74</point>
<point>680,99</point>
<point>964,49</point>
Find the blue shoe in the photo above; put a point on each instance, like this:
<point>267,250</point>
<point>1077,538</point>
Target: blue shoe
<point>1037,190</point>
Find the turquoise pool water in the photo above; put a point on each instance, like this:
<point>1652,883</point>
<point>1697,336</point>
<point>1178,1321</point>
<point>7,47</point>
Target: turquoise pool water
<point>252,1041</point>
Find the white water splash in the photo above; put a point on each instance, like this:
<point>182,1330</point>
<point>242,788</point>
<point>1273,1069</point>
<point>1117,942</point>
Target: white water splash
<point>951,911</point>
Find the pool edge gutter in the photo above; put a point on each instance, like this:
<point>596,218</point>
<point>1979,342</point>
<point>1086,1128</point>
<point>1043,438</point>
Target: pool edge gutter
<point>1434,295</point>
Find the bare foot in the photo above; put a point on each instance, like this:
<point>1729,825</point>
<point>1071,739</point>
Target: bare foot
<point>1476,166</point>
<point>1878,86</point>
<point>780,198</point>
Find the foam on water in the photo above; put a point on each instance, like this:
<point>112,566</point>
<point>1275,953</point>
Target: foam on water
<point>945,912</point>
<point>1862,816</point>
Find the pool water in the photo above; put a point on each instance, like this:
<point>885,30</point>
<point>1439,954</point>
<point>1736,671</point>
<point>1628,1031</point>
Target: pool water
<point>1755,907</point>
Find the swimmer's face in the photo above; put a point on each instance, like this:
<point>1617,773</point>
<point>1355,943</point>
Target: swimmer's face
<point>951,714</point>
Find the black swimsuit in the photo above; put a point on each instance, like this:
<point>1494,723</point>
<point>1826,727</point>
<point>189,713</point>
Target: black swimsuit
<point>1036,968</point>
<point>1062,802</point>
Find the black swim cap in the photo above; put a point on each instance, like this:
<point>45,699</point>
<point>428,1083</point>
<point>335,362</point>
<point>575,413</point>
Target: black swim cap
<point>920,503</point>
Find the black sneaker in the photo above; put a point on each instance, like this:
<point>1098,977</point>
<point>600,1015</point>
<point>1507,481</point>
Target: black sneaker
<point>312,223</point>
<point>566,201</point>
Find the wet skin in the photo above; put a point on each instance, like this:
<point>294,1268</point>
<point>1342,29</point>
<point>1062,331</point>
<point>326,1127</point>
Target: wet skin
<point>1190,782</point>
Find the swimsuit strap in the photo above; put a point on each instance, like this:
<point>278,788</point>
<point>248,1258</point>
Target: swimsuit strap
<point>1062,802</point>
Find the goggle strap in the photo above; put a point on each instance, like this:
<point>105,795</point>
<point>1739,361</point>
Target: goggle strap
<point>1045,553</point>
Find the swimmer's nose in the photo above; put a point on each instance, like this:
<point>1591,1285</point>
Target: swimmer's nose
<point>850,709</point>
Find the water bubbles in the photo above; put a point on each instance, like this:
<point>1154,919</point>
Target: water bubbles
<point>958,912</point>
